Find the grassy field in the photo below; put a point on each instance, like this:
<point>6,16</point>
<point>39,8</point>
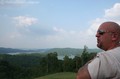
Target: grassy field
<point>63,75</point>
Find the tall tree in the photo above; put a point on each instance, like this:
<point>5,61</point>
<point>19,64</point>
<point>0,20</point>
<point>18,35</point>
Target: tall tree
<point>77,63</point>
<point>52,62</point>
<point>85,55</point>
<point>67,64</point>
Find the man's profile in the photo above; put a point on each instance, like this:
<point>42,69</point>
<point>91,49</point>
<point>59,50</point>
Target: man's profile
<point>106,65</point>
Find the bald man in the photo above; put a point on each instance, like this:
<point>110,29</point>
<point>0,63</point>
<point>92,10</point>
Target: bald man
<point>106,65</point>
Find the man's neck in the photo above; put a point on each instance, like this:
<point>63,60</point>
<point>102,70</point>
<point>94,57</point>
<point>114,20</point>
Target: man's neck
<point>114,46</point>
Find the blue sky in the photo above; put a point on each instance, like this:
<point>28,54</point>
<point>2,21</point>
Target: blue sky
<point>54,23</point>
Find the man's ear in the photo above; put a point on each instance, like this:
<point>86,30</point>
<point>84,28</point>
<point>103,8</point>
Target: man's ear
<point>114,36</point>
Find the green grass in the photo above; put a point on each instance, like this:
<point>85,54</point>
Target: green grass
<point>63,75</point>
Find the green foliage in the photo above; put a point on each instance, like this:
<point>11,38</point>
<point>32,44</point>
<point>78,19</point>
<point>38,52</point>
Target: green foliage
<point>86,56</point>
<point>50,63</point>
<point>29,66</point>
<point>77,63</point>
<point>5,69</point>
<point>67,64</point>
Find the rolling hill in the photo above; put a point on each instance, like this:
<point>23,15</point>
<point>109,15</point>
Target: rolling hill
<point>70,51</point>
<point>60,51</point>
<point>4,50</point>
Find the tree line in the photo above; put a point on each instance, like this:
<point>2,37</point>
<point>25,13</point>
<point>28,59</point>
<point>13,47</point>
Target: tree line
<point>35,65</point>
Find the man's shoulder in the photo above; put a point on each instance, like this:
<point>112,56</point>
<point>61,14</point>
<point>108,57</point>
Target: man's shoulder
<point>103,65</point>
<point>110,54</point>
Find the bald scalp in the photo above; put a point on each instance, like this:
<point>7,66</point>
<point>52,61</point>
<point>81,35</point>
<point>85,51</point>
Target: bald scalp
<point>112,26</point>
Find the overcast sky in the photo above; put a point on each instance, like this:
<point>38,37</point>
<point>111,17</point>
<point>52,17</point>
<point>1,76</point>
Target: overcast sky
<point>54,23</point>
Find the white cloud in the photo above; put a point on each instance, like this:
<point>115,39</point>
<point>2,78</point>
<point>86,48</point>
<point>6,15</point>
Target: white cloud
<point>24,21</point>
<point>17,2</point>
<point>113,12</point>
<point>94,25</point>
<point>60,31</point>
<point>65,38</point>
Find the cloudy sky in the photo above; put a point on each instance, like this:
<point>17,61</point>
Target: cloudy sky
<point>54,23</point>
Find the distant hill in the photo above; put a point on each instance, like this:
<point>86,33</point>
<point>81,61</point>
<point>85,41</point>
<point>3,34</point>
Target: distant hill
<point>70,51</point>
<point>4,50</point>
<point>63,75</point>
<point>60,51</point>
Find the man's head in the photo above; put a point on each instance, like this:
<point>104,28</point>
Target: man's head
<point>108,35</point>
